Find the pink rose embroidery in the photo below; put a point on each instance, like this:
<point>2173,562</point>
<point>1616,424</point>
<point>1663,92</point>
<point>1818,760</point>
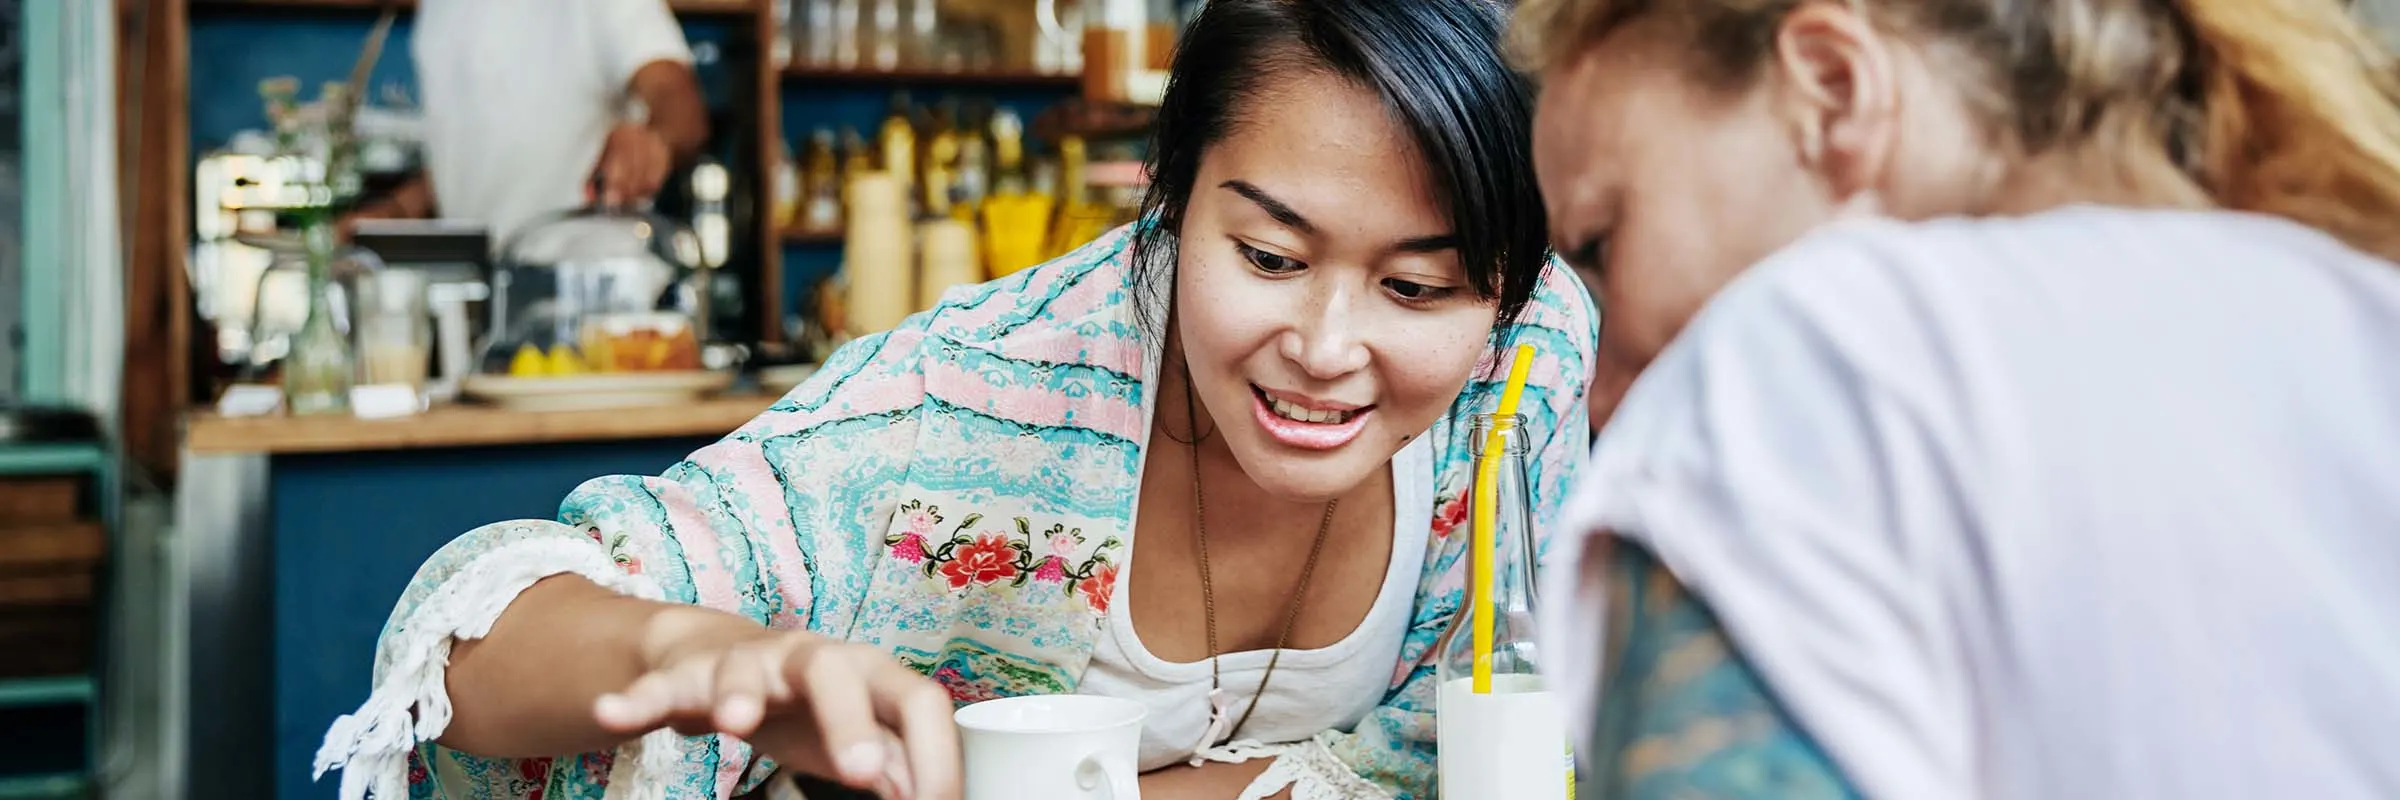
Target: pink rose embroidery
<point>1062,544</point>
<point>1053,569</point>
<point>920,522</point>
<point>909,547</point>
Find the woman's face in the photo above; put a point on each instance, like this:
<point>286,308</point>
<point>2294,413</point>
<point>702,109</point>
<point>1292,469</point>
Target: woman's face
<point>1665,188</point>
<point>1319,298</point>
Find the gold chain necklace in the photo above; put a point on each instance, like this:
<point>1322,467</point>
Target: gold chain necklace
<point>1208,591</point>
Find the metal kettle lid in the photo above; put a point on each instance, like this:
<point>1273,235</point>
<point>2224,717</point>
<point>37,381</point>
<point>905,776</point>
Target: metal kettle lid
<point>595,232</point>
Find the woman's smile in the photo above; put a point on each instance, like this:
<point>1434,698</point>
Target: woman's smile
<point>1307,423</point>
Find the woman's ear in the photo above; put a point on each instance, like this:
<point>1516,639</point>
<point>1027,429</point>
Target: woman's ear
<point>1833,75</point>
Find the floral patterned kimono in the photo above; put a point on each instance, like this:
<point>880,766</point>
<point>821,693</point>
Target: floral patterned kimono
<point>957,491</point>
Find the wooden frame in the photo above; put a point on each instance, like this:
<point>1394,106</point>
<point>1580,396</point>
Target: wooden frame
<point>153,133</point>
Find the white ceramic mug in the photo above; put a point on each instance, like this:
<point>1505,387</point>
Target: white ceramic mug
<point>1052,747</point>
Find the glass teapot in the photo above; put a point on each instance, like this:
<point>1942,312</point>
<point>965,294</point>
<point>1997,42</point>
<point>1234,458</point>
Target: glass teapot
<point>597,291</point>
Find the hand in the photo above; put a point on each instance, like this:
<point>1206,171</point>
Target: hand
<point>634,163</point>
<point>841,711</point>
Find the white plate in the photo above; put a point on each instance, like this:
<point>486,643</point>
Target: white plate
<point>585,392</point>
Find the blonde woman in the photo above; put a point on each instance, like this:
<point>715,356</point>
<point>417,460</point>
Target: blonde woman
<point>2008,396</point>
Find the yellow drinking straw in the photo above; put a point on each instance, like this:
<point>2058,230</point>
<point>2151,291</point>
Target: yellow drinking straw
<point>1487,500</point>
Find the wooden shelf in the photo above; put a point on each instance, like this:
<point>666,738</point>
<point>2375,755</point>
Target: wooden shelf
<point>875,77</point>
<point>815,238</point>
<point>466,426</point>
<point>679,6</point>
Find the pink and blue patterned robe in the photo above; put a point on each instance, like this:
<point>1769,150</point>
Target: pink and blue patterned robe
<point>957,491</point>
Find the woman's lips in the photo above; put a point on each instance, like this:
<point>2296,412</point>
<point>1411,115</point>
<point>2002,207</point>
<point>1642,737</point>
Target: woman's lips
<point>1304,434</point>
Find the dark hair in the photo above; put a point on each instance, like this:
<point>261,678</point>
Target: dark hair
<point>1438,67</point>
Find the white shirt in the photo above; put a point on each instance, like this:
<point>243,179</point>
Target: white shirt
<point>1328,688</point>
<point>519,96</point>
<point>2094,503</point>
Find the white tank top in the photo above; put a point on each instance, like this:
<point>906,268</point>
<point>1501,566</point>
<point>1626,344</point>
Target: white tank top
<point>2095,503</point>
<point>1328,688</point>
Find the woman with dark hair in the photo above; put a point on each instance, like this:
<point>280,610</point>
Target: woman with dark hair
<point>1265,384</point>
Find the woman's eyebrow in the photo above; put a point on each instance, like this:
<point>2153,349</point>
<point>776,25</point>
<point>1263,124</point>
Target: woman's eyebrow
<point>1289,218</point>
<point>1274,208</point>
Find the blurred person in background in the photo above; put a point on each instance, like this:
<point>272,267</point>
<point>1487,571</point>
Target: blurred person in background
<point>2017,410</point>
<point>533,107</point>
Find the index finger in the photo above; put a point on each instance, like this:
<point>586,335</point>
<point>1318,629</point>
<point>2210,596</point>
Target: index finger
<point>921,710</point>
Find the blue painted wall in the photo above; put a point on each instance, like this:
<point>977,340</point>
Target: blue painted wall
<point>350,530</point>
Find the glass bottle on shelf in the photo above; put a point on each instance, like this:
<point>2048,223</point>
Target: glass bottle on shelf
<point>1499,734</point>
<point>845,37</point>
<point>940,166</point>
<point>883,35</point>
<point>791,188</point>
<point>898,143</point>
<point>820,177</point>
<point>788,31</point>
<point>921,32</point>
<point>317,374</point>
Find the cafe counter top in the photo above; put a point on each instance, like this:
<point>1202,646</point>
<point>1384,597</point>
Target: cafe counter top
<point>207,433</point>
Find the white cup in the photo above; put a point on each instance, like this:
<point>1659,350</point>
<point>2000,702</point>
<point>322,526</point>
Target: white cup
<point>1052,747</point>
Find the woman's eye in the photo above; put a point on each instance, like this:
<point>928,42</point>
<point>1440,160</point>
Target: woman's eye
<point>1415,292</point>
<point>1269,263</point>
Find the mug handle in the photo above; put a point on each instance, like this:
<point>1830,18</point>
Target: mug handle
<point>1112,776</point>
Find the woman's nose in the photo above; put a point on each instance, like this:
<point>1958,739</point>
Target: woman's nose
<point>1325,341</point>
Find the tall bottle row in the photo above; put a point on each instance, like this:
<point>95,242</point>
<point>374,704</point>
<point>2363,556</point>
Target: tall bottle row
<point>937,196</point>
<point>1048,37</point>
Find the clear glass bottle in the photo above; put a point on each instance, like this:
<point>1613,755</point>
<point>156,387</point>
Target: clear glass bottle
<point>885,37</point>
<point>1507,739</point>
<point>921,35</point>
<point>318,373</point>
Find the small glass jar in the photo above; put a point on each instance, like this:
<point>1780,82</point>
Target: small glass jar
<point>395,330</point>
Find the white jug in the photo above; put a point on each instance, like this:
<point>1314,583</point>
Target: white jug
<point>1052,747</point>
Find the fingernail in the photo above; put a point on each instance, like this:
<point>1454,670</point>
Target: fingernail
<point>860,762</point>
<point>612,707</point>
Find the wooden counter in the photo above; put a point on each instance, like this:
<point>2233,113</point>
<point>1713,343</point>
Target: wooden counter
<point>465,426</point>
